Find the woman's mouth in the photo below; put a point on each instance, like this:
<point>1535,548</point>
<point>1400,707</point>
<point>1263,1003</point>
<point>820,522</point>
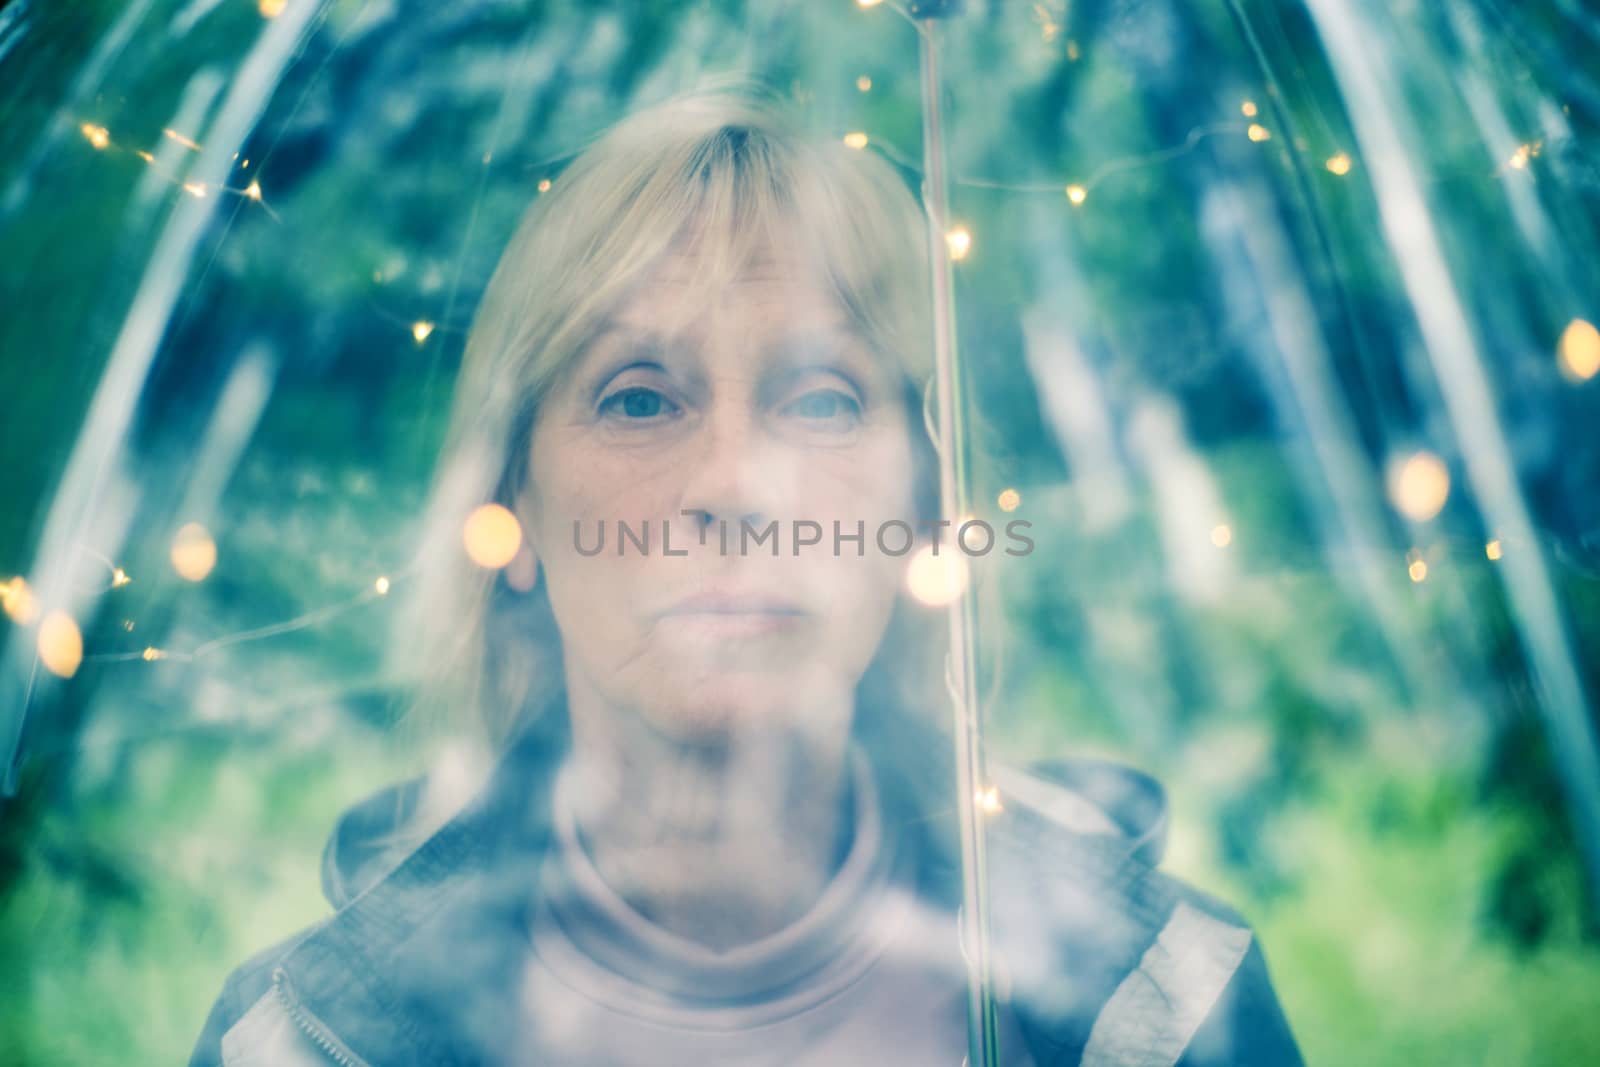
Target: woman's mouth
<point>734,614</point>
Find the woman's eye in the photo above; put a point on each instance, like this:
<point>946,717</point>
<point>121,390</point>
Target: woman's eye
<point>824,405</point>
<point>636,402</point>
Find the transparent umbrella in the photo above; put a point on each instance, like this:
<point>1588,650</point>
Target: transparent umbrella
<point>1275,351</point>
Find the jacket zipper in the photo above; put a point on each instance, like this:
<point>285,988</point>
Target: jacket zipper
<point>311,1026</point>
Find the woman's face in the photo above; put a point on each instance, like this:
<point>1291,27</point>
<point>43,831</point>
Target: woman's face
<point>707,408</point>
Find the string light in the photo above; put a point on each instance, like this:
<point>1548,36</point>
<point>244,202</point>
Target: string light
<point>1339,164</point>
<point>1009,500</point>
<point>151,654</point>
<point>1419,485</point>
<point>421,329</point>
<point>960,242</point>
<point>989,800</point>
<point>856,139</point>
<point>1222,535</point>
<point>381,586</point>
<point>17,597</point>
<point>1417,570</point>
<point>864,84</point>
<point>253,191</point>
<point>187,142</point>
<point>194,553</point>
<point>492,536</point>
<point>1579,350</point>
<point>195,189</point>
<point>868,3</point>
<point>60,644</point>
<point>1077,194</point>
<point>1248,109</point>
<point>544,185</point>
<point>1049,28</point>
<point>1493,549</point>
<point>119,577</point>
<point>97,135</point>
<point>1258,132</point>
<point>271,9</point>
<point>1519,158</point>
<point>1072,51</point>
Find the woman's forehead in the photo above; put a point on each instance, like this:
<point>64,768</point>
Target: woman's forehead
<point>701,291</point>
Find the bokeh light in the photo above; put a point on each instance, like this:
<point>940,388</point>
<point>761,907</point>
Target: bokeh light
<point>492,536</point>
<point>60,644</point>
<point>1419,485</point>
<point>937,580</point>
<point>193,552</point>
<point>1579,350</point>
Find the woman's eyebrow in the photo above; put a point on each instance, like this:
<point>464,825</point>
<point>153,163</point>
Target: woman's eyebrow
<point>837,350</point>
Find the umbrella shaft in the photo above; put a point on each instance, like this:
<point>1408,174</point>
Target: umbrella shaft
<point>961,673</point>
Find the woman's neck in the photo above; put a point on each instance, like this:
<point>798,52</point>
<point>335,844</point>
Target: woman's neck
<point>721,841</point>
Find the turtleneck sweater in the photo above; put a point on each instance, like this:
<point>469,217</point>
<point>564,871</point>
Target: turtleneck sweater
<point>869,974</point>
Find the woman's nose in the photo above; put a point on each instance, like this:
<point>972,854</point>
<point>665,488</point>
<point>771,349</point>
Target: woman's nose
<point>734,474</point>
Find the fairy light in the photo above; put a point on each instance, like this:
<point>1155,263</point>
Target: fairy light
<point>421,329</point>
<point>936,580</point>
<point>127,624</point>
<point>146,156</point>
<point>1258,132</point>
<point>151,654</point>
<point>1049,28</point>
<point>544,185</point>
<point>1009,500</point>
<point>17,598</point>
<point>194,553</point>
<point>492,536</point>
<point>1073,52</point>
<point>1418,570</point>
<point>98,136</point>
<point>1493,550</point>
<point>1579,350</point>
<point>253,191</point>
<point>119,577</point>
<point>195,189</point>
<point>1077,194</point>
<point>60,644</point>
<point>1248,109</point>
<point>1519,158</point>
<point>864,84</point>
<point>960,242</point>
<point>381,586</point>
<point>868,3</point>
<point>1339,164</point>
<point>989,800</point>
<point>271,9</point>
<point>1222,535</point>
<point>187,142</point>
<point>856,139</point>
<point>1419,485</point>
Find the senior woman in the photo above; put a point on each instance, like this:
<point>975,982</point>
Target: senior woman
<point>717,826</point>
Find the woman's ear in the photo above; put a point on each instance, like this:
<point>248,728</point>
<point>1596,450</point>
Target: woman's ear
<point>523,571</point>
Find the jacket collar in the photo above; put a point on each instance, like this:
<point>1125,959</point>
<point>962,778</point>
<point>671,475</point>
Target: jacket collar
<point>398,974</point>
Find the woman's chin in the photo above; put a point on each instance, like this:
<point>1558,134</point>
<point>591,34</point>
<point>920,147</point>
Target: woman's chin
<point>707,708</point>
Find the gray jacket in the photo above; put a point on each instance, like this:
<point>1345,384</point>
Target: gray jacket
<point>1103,959</point>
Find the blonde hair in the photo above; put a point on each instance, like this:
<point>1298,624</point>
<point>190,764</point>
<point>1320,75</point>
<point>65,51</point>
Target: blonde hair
<point>729,170</point>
